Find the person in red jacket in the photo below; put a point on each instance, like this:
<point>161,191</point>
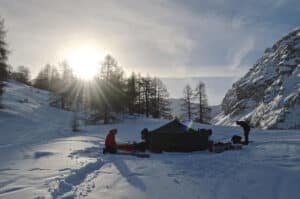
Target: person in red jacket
<point>110,142</point>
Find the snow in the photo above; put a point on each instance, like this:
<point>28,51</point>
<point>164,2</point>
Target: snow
<point>26,108</point>
<point>47,160</point>
<point>262,96</point>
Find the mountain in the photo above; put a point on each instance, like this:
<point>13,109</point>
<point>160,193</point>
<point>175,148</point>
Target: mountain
<point>215,110</point>
<point>268,96</point>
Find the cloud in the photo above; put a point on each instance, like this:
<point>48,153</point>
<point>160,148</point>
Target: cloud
<point>161,37</point>
<point>239,54</point>
<point>278,3</point>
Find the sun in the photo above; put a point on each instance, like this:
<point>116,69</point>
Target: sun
<point>85,61</point>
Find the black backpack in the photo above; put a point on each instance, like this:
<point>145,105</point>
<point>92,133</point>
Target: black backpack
<point>236,139</point>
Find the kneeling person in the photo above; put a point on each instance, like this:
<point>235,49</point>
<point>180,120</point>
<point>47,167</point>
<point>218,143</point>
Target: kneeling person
<point>110,142</point>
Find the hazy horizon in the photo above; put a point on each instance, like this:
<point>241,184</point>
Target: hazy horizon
<point>216,87</point>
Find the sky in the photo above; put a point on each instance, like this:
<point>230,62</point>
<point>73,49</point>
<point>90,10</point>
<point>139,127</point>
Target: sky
<point>216,39</point>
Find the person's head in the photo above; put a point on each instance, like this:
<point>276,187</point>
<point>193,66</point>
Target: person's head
<point>144,133</point>
<point>114,131</point>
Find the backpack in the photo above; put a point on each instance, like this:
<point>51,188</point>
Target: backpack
<point>236,139</point>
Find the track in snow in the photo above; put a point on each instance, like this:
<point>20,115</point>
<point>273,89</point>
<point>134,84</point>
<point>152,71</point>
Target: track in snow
<point>79,182</point>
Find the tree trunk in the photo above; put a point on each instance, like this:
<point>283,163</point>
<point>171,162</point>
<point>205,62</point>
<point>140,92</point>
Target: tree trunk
<point>147,104</point>
<point>62,103</point>
<point>106,114</point>
<point>200,109</point>
<point>189,109</point>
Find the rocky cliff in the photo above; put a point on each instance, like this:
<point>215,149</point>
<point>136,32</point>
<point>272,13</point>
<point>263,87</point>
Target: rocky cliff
<point>268,96</point>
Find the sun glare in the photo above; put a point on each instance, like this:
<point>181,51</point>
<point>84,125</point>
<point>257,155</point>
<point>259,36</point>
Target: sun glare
<point>85,61</point>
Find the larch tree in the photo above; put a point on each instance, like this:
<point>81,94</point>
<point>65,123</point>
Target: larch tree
<point>43,79</point>
<point>131,93</point>
<point>112,85</point>
<point>3,57</point>
<point>187,108</point>
<point>139,104</point>
<point>160,104</point>
<point>146,91</point>
<point>66,87</point>
<point>203,110</point>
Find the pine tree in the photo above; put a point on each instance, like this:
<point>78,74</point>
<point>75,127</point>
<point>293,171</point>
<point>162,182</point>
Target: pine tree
<point>3,58</point>
<point>187,102</point>
<point>203,110</point>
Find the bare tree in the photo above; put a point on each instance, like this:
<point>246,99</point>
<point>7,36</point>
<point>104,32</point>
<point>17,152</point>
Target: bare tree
<point>187,102</point>
<point>67,85</point>
<point>3,57</point>
<point>112,87</point>
<point>147,90</point>
<point>131,93</point>
<point>203,110</point>
<point>160,104</point>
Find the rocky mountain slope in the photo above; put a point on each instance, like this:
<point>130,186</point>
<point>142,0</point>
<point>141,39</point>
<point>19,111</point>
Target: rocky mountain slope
<point>268,96</point>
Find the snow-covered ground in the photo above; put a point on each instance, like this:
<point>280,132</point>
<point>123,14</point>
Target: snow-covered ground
<point>42,158</point>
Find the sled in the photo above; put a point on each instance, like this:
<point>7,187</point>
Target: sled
<point>139,155</point>
<point>135,147</point>
<point>221,147</point>
<point>132,153</point>
<point>236,146</point>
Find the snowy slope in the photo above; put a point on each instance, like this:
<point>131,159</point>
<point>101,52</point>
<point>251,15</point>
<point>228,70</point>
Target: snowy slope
<point>27,117</point>
<point>268,96</point>
<point>215,110</point>
<point>72,166</point>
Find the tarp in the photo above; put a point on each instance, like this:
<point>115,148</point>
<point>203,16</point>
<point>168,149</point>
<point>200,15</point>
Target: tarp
<point>172,127</point>
<point>175,136</point>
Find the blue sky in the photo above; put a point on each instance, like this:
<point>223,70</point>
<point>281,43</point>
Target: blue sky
<point>165,38</point>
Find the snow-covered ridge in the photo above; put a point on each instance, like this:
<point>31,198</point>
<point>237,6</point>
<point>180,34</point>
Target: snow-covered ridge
<point>268,96</point>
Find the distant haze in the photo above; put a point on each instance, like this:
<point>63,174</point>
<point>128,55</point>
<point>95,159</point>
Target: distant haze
<point>216,87</point>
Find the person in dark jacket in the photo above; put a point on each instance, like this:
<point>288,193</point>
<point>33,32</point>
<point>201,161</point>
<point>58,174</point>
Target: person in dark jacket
<point>246,129</point>
<point>110,142</point>
<point>145,135</point>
